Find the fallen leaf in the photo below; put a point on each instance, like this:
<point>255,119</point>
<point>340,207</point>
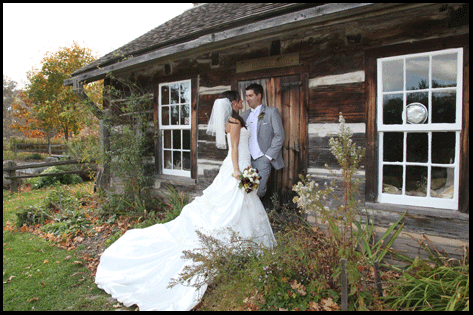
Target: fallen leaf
<point>42,283</point>
<point>78,262</point>
<point>46,261</point>
<point>29,266</point>
<point>67,257</point>
<point>31,300</point>
<point>9,279</point>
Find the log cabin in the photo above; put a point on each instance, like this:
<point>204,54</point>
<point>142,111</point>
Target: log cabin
<point>399,74</point>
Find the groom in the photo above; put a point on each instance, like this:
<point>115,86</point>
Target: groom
<point>267,135</point>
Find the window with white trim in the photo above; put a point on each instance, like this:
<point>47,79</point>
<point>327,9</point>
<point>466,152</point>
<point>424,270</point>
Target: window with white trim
<point>175,126</point>
<point>419,120</point>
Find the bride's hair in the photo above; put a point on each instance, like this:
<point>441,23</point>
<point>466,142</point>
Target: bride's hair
<point>233,96</point>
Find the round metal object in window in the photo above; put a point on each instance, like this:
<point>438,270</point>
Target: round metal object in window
<point>416,113</point>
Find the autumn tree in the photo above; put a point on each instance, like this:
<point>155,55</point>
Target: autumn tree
<point>54,106</point>
<point>10,94</point>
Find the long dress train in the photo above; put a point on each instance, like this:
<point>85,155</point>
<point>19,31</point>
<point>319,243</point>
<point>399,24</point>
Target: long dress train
<point>137,268</point>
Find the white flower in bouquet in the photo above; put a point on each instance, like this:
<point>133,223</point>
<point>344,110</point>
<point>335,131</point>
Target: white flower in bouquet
<point>249,179</point>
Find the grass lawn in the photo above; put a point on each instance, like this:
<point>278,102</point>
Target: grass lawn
<point>40,276</point>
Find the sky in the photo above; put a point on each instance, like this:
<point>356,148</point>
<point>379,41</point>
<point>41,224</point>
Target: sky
<point>30,30</point>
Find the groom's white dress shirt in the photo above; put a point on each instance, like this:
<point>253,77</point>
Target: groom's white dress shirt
<point>253,125</point>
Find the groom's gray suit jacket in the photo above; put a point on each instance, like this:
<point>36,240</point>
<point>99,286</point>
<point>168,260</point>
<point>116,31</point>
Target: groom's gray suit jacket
<point>270,134</point>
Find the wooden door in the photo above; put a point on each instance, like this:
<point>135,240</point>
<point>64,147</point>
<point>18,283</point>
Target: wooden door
<point>285,93</point>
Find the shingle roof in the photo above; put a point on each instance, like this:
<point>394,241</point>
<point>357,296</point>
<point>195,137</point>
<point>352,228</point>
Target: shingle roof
<point>202,19</point>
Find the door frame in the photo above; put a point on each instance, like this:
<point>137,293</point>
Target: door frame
<point>303,72</point>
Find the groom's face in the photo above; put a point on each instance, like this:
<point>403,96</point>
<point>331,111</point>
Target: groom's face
<point>253,100</point>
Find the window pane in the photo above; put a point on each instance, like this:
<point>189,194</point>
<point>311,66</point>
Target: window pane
<point>392,179</point>
<point>417,147</point>
<point>393,146</point>
<point>177,160</point>
<point>164,95</point>
<point>441,185</point>
<point>419,97</point>
<point>444,70</point>
<point>416,181</point>
<point>175,115</point>
<point>175,94</point>
<point>417,73</point>
<point>167,159</point>
<point>167,139</point>
<point>393,76</point>
<point>185,114</point>
<point>392,109</point>
<point>443,147</point>
<point>165,115</point>
<point>186,161</point>
<point>176,139</point>
<point>186,139</point>
<point>185,93</point>
<point>443,107</point>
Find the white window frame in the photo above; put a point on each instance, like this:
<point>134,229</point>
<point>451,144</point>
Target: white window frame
<point>430,127</point>
<point>162,128</point>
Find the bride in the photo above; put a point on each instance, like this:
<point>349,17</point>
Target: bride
<point>138,267</point>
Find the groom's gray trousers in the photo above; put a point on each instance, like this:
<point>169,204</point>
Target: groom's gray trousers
<point>263,165</point>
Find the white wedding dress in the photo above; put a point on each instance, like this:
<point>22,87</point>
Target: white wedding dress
<point>137,268</point>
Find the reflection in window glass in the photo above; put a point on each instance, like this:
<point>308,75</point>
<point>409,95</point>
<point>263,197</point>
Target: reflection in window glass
<point>185,114</point>
<point>392,109</point>
<point>175,94</point>
<point>176,139</point>
<point>167,159</point>
<point>443,107</point>
<point>444,70</point>
<point>165,115</point>
<point>165,95</point>
<point>393,146</point>
<point>416,181</point>
<point>393,75</point>
<point>443,147</point>
<point>167,139</point>
<point>177,162</point>
<point>417,73</point>
<point>186,161</point>
<point>417,147</point>
<point>392,179</point>
<point>185,93</point>
<point>186,139</point>
<point>175,115</point>
<point>441,183</point>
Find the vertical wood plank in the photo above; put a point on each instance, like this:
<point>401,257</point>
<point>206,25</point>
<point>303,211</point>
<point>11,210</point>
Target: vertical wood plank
<point>371,162</point>
<point>194,126</point>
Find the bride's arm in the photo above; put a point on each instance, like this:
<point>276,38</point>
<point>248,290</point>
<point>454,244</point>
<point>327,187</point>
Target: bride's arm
<point>235,127</point>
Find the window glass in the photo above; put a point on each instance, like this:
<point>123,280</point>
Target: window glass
<point>392,109</point>
<point>393,75</point>
<point>444,107</point>
<point>444,70</point>
<point>417,73</point>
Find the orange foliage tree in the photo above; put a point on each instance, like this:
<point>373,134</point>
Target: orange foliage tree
<point>48,108</point>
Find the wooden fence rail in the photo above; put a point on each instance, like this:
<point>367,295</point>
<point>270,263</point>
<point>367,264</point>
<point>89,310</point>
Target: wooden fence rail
<point>12,168</point>
<point>37,146</point>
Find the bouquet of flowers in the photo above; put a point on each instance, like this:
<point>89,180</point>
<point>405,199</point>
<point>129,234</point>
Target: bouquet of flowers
<point>249,179</point>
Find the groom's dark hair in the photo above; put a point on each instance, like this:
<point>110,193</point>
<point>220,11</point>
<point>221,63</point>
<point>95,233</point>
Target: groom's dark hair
<point>257,88</point>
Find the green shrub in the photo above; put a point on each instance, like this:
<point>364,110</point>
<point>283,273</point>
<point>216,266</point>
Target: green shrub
<point>54,180</point>
<point>32,215</point>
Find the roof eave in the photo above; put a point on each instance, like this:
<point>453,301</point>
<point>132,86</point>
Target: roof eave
<point>324,13</point>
